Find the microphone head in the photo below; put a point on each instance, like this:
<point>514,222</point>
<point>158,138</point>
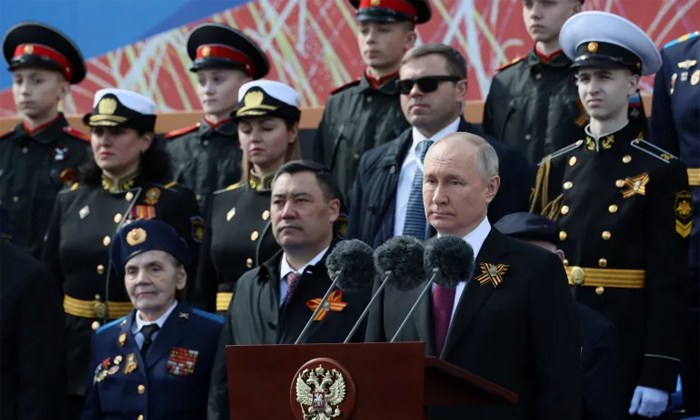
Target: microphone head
<point>403,256</point>
<point>452,256</point>
<point>351,258</point>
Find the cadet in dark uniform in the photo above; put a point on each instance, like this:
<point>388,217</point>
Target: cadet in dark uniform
<point>127,180</point>
<point>366,113</point>
<point>621,213</point>
<point>206,157</point>
<point>237,235</point>
<point>32,339</point>
<point>155,363</point>
<point>274,301</point>
<point>42,154</point>
<point>675,126</point>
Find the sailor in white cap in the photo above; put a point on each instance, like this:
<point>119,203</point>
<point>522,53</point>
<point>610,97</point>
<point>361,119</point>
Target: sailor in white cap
<point>625,212</point>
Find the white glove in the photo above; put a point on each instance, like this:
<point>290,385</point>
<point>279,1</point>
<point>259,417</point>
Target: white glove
<point>648,402</point>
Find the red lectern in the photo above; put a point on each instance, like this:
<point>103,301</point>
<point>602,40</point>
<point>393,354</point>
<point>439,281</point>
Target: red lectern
<point>363,381</point>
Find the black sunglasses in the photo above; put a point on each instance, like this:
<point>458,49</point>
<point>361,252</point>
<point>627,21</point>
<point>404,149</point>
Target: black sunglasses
<point>426,84</point>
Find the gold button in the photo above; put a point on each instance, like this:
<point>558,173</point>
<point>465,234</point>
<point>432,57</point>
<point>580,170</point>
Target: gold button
<point>140,417</point>
<point>568,185</point>
<point>129,196</point>
<point>627,159</point>
<point>25,150</point>
<point>566,262</point>
<point>528,137</point>
<point>266,215</point>
<point>254,235</point>
<point>95,325</point>
<point>612,208</point>
<point>599,290</point>
<point>572,161</point>
<point>565,210</point>
<point>562,235</point>
<point>141,389</point>
<point>356,156</point>
<point>117,218</point>
<point>606,235</point>
<point>538,76</point>
<point>199,197</point>
<point>603,262</point>
<point>249,263</point>
<point>100,269</point>
<point>107,240</point>
<point>15,198</point>
<point>577,275</point>
<point>620,183</point>
<point>205,142</point>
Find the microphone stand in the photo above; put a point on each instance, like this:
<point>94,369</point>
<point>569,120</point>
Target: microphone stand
<point>436,271</point>
<point>319,307</point>
<point>369,305</point>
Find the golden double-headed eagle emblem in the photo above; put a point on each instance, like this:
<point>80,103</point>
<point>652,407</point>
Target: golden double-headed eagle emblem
<point>320,392</point>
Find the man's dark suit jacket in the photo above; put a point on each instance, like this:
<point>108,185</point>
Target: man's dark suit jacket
<point>374,193</point>
<point>521,335</point>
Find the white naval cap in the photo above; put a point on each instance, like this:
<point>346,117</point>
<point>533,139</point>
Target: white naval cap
<point>267,97</point>
<point>119,107</point>
<point>601,39</point>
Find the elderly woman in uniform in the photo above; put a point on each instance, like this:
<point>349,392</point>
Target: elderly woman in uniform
<point>128,180</point>
<point>237,236</point>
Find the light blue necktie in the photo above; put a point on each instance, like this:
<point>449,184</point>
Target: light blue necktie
<point>415,223</point>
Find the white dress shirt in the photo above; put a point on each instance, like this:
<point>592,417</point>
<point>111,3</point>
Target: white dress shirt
<point>408,170</point>
<point>285,269</point>
<point>475,239</point>
<point>139,323</point>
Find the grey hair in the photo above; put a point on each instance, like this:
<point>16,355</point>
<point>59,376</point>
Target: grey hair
<point>456,63</point>
<point>486,157</point>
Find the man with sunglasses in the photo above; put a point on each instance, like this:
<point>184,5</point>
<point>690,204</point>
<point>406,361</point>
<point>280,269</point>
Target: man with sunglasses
<point>366,113</point>
<point>387,196</point>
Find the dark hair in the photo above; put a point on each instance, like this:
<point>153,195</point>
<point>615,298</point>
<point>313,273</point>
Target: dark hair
<point>456,63</point>
<point>323,176</point>
<point>154,166</point>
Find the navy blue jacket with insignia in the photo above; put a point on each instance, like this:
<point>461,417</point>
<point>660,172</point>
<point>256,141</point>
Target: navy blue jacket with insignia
<point>675,119</point>
<point>171,383</point>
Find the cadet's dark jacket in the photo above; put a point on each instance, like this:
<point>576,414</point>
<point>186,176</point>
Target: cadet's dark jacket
<point>32,339</point>
<point>255,318</point>
<point>624,208</point>
<point>77,251</point>
<point>205,159</point>
<point>237,237</point>
<point>357,118</point>
<point>34,167</point>
<point>374,196</point>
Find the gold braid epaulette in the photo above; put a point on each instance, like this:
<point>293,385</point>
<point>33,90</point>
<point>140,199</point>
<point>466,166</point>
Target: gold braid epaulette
<point>540,194</point>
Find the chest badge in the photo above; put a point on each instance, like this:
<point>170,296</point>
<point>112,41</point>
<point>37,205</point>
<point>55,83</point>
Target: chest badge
<point>695,78</point>
<point>182,361</point>
<point>83,213</point>
<point>230,214</point>
<point>60,153</point>
<point>131,363</point>
<point>335,303</point>
<point>635,185</point>
<point>152,196</point>
<point>492,273</point>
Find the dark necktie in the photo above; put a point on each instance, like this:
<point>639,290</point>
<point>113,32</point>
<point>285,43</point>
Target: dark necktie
<point>415,223</point>
<point>148,331</point>
<point>292,281</point>
<point>443,301</point>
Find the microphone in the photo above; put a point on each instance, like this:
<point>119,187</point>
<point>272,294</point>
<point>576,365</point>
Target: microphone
<point>449,260</point>
<point>351,267</point>
<point>400,259</point>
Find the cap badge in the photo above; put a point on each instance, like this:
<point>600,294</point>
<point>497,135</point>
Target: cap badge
<point>375,3</point>
<point>592,47</point>
<point>136,236</point>
<point>107,106</point>
<point>206,51</point>
<point>253,99</point>
<point>29,49</point>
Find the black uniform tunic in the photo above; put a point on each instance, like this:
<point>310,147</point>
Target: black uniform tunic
<point>76,251</point>
<point>34,167</point>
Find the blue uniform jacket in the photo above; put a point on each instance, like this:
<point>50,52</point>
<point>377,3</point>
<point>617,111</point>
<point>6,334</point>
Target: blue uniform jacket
<point>171,384</point>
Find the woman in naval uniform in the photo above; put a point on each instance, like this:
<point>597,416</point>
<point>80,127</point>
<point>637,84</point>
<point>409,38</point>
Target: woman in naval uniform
<point>237,235</point>
<point>128,179</point>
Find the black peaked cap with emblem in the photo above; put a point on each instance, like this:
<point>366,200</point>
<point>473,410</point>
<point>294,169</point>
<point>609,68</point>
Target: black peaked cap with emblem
<point>416,11</point>
<point>122,108</point>
<point>34,44</point>
<point>215,45</point>
<point>147,235</point>
<point>529,226</point>
<point>267,98</point>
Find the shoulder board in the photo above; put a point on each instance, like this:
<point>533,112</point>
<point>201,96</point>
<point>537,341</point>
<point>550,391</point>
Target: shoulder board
<point>180,131</point>
<point>170,185</point>
<point>74,186</point>
<point>345,86</point>
<point>212,317</point>
<point>514,61</point>
<point>230,188</point>
<point>560,152</point>
<point>652,150</point>
<point>684,38</point>
<point>110,324</point>
<point>77,133</point>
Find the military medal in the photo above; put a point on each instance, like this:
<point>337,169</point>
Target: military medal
<point>334,303</point>
<point>684,76</point>
<point>492,273</point>
<point>673,82</point>
<point>635,185</point>
<point>84,212</point>
<point>181,361</point>
<point>152,196</point>
<point>230,214</point>
<point>60,153</point>
<point>122,341</point>
<point>131,363</point>
<point>695,78</point>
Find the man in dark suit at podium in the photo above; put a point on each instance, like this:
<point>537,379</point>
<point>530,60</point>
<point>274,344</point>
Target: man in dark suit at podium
<point>514,323</point>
